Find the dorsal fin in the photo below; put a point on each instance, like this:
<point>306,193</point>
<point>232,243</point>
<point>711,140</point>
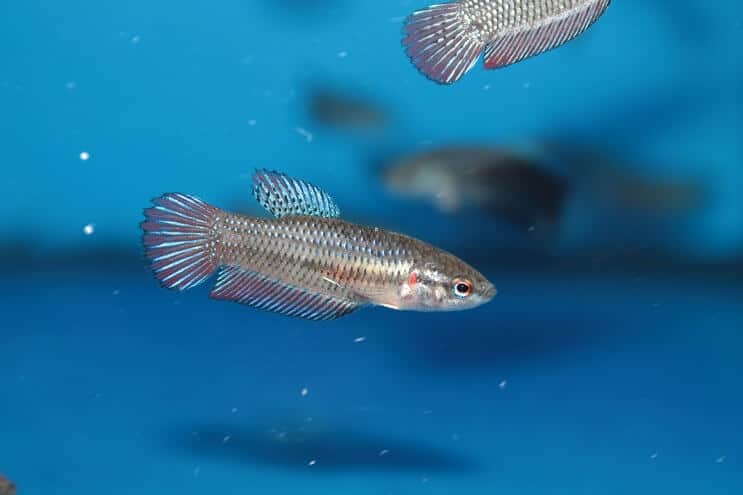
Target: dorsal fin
<point>282,195</point>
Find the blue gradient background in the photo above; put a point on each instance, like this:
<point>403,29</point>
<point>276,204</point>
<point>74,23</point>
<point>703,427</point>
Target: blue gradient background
<point>622,372</point>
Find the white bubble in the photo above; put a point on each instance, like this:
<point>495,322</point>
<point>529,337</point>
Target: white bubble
<point>234,410</point>
<point>503,384</point>
<point>359,340</point>
<point>342,54</point>
<point>89,229</point>
<point>383,452</point>
<point>136,39</point>
<point>84,156</point>
<point>720,459</point>
<point>312,462</point>
<point>654,455</point>
<point>226,439</point>
<point>304,392</point>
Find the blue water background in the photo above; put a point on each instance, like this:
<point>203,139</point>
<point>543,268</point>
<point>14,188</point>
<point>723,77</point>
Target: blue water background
<point>589,373</point>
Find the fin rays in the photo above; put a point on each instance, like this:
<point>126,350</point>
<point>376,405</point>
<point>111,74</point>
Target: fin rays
<point>512,47</point>
<point>282,195</point>
<point>178,240</point>
<point>261,292</point>
<point>439,45</point>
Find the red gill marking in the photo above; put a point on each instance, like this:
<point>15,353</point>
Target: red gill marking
<point>413,279</point>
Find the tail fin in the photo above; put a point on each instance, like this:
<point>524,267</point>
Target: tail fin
<point>179,240</point>
<point>439,44</point>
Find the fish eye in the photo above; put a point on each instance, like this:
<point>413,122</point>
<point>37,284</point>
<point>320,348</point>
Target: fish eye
<point>462,288</point>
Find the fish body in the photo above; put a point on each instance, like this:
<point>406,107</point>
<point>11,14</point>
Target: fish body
<point>445,41</point>
<point>501,182</point>
<point>307,262</point>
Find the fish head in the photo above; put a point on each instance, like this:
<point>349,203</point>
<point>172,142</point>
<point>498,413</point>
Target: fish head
<point>448,284</point>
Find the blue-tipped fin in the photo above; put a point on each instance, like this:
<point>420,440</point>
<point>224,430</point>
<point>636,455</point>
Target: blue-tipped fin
<point>282,196</point>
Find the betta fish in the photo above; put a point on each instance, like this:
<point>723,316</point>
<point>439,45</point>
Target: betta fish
<point>306,262</point>
<point>445,41</point>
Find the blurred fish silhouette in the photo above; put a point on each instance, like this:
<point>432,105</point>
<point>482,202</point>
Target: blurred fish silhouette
<point>307,262</point>
<point>445,41</point>
<point>338,110</point>
<point>610,181</point>
<point>6,487</point>
<point>510,185</point>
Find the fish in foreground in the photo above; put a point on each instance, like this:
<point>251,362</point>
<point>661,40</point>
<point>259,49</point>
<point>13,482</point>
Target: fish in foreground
<point>6,486</point>
<point>306,262</point>
<point>445,41</point>
<point>507,184</point>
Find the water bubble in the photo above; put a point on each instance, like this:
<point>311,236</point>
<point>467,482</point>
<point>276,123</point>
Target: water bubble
<point>89,229</point>
<point>84,156</point>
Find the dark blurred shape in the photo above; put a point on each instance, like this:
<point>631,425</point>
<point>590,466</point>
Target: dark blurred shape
<point>612,181</point>
<point>345,110</point>
<point>6,487</point>
<point>501,182</point>
<point>297,444</point>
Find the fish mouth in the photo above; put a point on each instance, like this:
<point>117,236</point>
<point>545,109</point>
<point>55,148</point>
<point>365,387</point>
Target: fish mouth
<point>489,292</point>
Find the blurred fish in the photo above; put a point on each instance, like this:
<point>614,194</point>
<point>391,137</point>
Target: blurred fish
<point>499,181</point>
<point>345,112</point>
<point>444,41</point>
<point>611,181</point>
<point>307,262</point>
<point>6,487</point>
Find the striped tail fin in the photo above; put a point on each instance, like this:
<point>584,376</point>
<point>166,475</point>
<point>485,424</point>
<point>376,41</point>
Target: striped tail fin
<point>514,46</point>
<point>179,240</point>
<point>439,44</point>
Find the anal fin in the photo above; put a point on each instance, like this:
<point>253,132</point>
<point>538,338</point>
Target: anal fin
<point>261,292</point>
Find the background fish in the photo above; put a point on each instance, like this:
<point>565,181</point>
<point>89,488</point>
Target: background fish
<point>344,110</point>
<point>444,41</point>
<point>610,180</point>
<point>502,182</point>
<point>307,262</point>
<point>6,487</point>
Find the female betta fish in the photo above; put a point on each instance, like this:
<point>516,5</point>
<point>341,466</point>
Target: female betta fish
<point>444,41</point>
<point>306,262</point>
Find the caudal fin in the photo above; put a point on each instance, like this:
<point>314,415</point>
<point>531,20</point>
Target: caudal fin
<point>439,44</point>
<point>179,240</point>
